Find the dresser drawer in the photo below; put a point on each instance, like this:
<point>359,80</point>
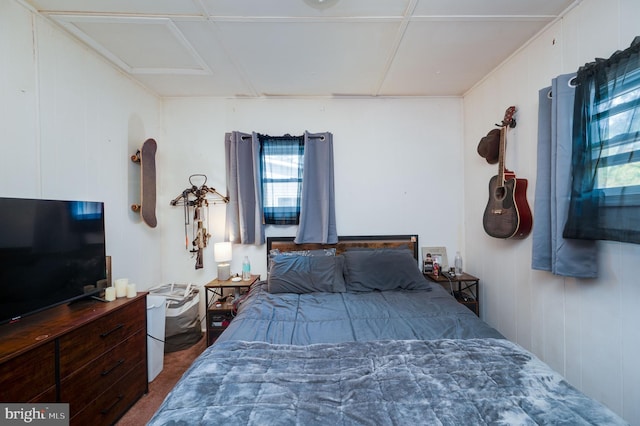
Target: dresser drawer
<point>47,396</point>
<point>27,376</point>
<point>114,401</point>
<point>87,343</point>
<point>84,384</point>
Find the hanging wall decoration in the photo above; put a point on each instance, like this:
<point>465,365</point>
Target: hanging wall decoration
<point>196,200</point>
<point>145,157</point>
<point>507,214</point>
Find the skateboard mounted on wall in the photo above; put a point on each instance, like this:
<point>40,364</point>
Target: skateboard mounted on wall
<point>146,158</point>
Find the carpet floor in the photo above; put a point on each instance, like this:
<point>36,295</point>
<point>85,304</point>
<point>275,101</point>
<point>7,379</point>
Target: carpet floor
<point>174,365</point>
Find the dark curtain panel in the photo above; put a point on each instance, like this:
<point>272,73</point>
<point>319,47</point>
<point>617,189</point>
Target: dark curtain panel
<point>605,194</point>
<point>281,159</point>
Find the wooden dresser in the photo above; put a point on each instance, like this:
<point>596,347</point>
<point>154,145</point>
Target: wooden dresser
<point>90,354</point>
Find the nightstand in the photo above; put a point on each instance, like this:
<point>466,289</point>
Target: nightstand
<point>219,315</point>
<point>465,288</point>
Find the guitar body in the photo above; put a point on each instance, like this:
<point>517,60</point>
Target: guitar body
<point>525,218</point>
<point>507,214</point>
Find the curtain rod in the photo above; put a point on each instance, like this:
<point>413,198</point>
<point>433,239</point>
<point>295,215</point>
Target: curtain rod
<point>321,137</point>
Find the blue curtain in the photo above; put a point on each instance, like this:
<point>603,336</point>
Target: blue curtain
<point>317,205</point>
<point>244,222</point>
<point>605,195</point>
<point>551,252</point>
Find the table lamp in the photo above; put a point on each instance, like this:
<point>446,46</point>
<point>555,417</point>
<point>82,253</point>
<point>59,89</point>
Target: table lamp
<point>222,255</point>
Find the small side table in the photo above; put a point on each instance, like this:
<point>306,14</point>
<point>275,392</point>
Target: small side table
<point>220,315</point>
<point>465,288</point>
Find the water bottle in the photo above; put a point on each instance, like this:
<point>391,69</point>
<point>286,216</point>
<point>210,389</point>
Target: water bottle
<point>246,269</point>
<point>458,263</point>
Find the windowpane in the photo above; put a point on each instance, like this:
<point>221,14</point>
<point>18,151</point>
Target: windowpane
<point>619,176</point>
<point>281,175</point>
<point>616,125</point>
<point>280,194</point>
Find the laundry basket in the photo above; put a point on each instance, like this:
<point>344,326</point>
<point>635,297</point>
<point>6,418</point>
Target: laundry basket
<point>182,320</point>
<point>156,307</point>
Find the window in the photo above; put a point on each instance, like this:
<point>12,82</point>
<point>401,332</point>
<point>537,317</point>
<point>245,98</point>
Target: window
<point>615,121</point>
<point>281,161</point>
<point>605,193</point>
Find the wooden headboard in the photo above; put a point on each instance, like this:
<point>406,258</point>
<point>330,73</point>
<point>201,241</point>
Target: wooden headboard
<point>373,241</point>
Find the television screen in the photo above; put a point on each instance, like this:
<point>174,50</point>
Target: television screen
<point>51,252</point>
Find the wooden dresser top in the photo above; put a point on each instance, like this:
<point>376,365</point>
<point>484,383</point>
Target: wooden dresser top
<point>33,330</point>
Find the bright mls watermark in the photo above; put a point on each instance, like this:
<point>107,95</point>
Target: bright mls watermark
<point>34,414</point>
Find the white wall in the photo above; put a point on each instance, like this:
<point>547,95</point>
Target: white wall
<point>585,329</point>
<point>69,123</point>
<point>397,167</point>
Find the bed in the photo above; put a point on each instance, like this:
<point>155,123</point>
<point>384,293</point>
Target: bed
<point>353,333</point>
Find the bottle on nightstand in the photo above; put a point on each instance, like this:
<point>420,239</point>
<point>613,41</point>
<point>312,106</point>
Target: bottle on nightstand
<point>458,263</point>
<point>246,269</point>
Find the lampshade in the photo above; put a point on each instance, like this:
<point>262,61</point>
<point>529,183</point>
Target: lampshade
<point>222,255</point>
<point>222,252</point>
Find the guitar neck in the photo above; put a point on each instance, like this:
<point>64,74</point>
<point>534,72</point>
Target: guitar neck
<point>506,122</point>
<point>501,154</point>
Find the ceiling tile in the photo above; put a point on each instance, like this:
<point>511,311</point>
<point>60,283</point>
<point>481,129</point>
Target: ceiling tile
<point>216,84</point>
<point>148,7</point>
<point>309,58</point>
<point>490,7</point>
<point>301,8</point>
<point>438,58</point>
<point>138,45</point>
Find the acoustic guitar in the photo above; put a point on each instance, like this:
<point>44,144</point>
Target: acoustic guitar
<point>507,214</point>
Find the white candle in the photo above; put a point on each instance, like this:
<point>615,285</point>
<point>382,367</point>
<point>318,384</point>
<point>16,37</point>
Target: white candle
<point>110,294</point>
<point>131,291</point>
<point>121,287</point>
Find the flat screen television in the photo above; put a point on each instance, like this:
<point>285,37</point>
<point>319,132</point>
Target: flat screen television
<point>51,252</point>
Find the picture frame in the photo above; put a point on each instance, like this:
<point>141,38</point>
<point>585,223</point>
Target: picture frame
<point>436,253</point>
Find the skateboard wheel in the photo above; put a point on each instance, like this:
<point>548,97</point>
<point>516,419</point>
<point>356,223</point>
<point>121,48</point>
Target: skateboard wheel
<point>135,207</point>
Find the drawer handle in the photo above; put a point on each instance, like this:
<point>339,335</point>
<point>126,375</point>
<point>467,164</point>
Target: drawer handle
<point>118,364</point>
<point>117,327</point>
<point>106,410</point>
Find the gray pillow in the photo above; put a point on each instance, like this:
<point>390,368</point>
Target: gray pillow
<point>316,252</point>
<point>382,269</point>
<point>306,274</point>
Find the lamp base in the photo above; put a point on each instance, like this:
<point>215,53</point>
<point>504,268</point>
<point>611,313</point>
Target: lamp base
<point>224,271</point>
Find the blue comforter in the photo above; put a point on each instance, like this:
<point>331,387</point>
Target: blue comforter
<point>393,357</point>
<point>400,382</point>
<point>302,319</point>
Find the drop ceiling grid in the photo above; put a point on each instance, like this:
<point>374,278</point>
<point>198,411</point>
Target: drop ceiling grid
<point>287,48</point>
